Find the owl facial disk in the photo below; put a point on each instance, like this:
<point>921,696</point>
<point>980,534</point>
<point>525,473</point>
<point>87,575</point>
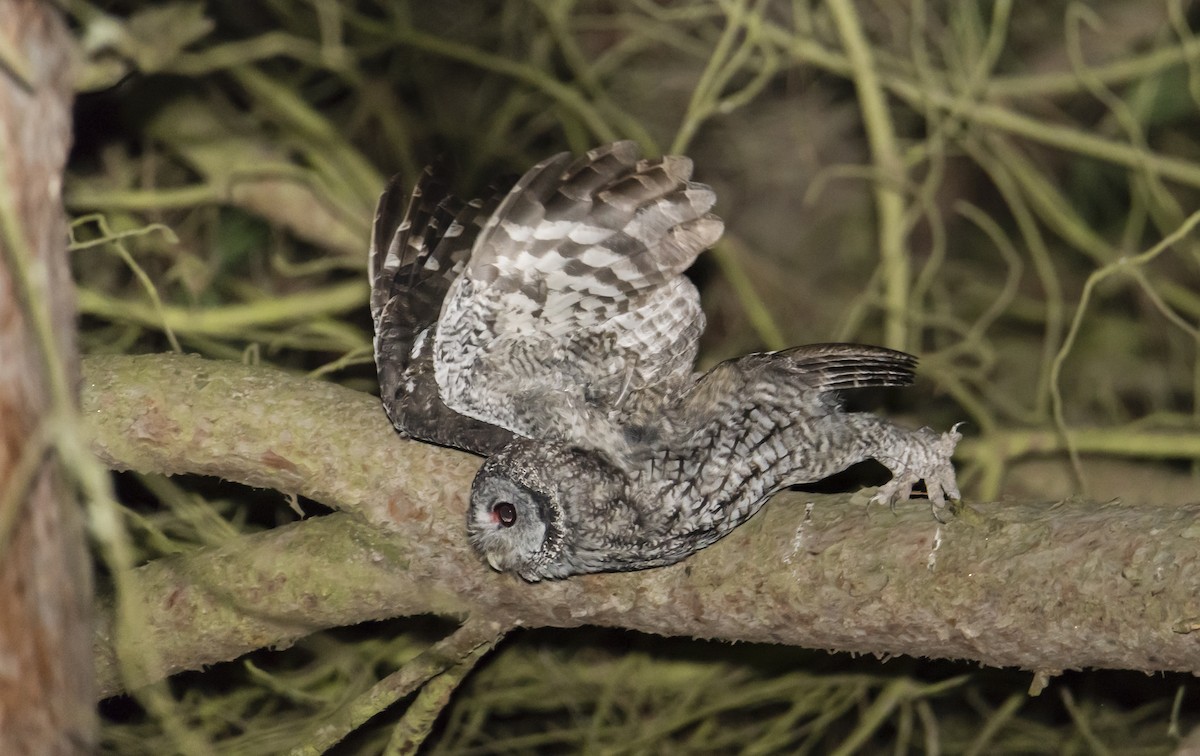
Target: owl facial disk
<point>511,521</point>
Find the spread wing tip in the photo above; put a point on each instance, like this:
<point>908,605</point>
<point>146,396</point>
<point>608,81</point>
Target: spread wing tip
<point>838,367</point>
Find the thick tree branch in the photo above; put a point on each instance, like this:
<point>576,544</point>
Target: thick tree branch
<point>1039,586</point>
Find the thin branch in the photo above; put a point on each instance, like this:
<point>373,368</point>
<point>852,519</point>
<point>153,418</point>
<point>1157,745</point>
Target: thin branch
<point>889,199</point>
<point>446,661</point>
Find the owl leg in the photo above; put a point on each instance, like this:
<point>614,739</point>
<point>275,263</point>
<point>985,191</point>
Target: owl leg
<point>910,456</point>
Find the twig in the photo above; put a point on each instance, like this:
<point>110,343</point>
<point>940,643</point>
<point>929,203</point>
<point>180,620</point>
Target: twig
<point>439,668</point>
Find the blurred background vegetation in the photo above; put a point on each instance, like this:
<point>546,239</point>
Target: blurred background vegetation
<point>986,184</point>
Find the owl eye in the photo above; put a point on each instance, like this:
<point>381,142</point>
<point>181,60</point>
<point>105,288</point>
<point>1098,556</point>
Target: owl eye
<point>505,514</point>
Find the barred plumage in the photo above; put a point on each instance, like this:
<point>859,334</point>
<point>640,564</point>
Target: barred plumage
<point>414,259</point>
<point>556,332</point>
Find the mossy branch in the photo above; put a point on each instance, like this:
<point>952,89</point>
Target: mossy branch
<point>1039,586</point>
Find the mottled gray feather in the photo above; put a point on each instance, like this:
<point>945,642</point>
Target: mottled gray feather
<point>574,298</point>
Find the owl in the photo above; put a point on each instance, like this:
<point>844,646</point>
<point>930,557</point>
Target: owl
<point>551,329</point>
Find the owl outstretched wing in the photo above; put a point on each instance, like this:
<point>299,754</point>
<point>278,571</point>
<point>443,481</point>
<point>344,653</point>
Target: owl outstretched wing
<point>417,251</point>
<point>759,423</point>
<point>573,301</point>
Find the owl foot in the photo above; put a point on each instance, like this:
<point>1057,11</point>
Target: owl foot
<point>925,456</point>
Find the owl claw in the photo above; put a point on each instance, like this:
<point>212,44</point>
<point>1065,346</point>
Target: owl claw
<point>925,457</point>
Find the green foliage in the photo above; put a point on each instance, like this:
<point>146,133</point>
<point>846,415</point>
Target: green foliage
<point>989,184</point>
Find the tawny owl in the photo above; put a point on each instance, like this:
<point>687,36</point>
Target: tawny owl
<point>553,329</point>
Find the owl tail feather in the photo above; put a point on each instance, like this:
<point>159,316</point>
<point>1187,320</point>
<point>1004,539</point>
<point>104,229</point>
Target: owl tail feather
<point>837,367</point>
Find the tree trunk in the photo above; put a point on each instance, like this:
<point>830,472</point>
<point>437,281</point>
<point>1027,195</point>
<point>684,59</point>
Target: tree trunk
<point>46,678</point>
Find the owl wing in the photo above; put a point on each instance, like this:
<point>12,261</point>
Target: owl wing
<point>573,297</point>
<point>759,423</point>
<point>417,251</point>
<point>747,400</point>
<point>754,414</point>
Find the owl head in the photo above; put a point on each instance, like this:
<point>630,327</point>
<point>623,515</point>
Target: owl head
<point>533,505</point>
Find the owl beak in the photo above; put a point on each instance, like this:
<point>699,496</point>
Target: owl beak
<point>494,561</point>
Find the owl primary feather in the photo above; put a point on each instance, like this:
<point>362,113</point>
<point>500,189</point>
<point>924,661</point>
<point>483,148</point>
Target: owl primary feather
<point>551,329</point>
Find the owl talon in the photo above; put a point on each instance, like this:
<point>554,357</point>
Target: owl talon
<point>926,458</point>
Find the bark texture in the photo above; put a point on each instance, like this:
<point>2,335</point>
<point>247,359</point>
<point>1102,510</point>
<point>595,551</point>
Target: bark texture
<point>1042,586</point>
<point>46,695</point>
